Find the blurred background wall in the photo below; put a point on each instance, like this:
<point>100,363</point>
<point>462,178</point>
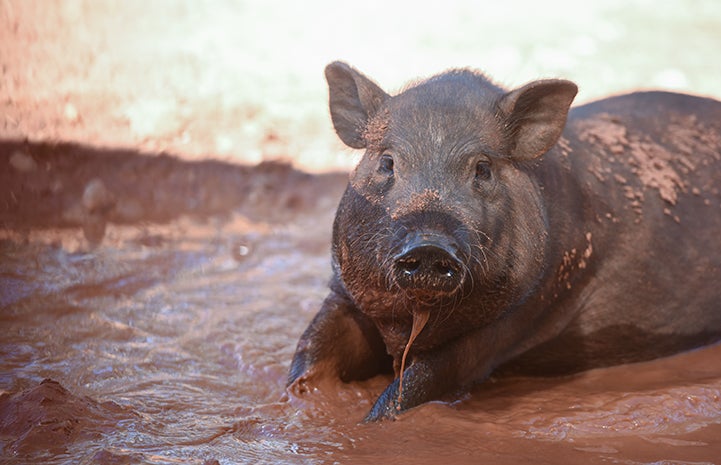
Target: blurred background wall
<point>242,80</point>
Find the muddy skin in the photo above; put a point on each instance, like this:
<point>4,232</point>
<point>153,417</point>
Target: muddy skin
<point>537,239</point>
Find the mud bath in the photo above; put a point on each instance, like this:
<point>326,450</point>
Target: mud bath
<point>165,336</point>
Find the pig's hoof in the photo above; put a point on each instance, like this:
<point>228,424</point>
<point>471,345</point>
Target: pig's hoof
<point>387,405</point>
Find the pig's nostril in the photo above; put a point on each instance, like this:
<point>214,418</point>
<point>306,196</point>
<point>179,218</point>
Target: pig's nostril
<point>444,269</point>
<point>408,265</point>
<point>428,266</point>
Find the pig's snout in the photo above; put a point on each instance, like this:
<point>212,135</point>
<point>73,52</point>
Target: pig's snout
<point>429,262</point>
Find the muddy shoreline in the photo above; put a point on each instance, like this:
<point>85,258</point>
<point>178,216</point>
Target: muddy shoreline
<point>44,185</point>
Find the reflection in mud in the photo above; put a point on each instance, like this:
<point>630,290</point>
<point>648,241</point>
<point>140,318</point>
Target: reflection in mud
<point>169,341</point>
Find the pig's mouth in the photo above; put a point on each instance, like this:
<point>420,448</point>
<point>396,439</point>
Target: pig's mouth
<point>429,264</point>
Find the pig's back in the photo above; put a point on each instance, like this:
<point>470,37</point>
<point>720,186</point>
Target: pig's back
<point>649,164</point>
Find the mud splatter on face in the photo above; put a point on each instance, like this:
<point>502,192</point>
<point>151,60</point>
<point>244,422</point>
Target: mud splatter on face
<point>375,132</point>
<point>419,201</point>
<point>420,318</point>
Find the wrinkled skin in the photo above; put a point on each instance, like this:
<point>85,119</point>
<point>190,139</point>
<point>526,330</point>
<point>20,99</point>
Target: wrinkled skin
<point>538,239</point>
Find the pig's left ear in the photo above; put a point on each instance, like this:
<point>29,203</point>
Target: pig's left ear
<point>536,115</point>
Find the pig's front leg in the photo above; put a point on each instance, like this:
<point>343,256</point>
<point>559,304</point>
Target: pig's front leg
<point>436,373</point>
<point>340,342</point>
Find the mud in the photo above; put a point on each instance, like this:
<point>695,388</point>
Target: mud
<point>48,417</point>
<point>657,169</point>
<point>167,340</point>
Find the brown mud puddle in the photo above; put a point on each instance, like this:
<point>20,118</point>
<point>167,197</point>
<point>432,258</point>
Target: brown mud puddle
<point>150,308</point>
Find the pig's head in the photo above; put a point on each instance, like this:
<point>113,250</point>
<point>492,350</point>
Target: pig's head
<point>444,207</point>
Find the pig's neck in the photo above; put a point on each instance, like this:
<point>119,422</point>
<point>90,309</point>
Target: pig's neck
<point>571,249</point>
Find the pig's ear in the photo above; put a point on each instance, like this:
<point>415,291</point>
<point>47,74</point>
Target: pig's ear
<point>536,115</point>
<point>354,99</point>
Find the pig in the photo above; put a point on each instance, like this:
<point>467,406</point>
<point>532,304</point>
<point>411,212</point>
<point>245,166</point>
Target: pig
<point>490,229</point>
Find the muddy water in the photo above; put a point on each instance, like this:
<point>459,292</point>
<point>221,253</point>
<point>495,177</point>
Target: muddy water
<point>169,341</point>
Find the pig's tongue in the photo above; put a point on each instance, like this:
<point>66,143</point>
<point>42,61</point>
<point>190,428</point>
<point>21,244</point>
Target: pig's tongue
<point>420,318</point>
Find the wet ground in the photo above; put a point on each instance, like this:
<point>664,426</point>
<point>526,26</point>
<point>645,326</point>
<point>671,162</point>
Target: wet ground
<point>150,308</point>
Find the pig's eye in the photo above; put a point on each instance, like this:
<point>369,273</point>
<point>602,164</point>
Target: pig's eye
<point>386,164</point>
<point>483,170</point>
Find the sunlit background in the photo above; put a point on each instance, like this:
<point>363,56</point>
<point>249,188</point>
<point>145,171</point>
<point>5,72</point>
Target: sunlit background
<point>242,80</point>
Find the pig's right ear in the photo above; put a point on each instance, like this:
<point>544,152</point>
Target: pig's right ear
<point>353,100</point>
<point>536,115</point>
